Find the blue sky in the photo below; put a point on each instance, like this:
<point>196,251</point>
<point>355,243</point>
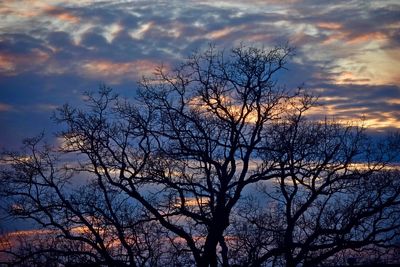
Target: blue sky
<point>347,52</point>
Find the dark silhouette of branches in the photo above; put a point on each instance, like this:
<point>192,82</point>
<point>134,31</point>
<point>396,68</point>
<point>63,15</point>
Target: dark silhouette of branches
<point>214,164</point>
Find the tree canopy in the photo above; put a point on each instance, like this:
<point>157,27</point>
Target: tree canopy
<point>215,163</point>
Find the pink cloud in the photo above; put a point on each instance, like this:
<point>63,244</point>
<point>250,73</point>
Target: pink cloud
<point>60,13</point>
<point>114,72</point>
<point>5,107</point>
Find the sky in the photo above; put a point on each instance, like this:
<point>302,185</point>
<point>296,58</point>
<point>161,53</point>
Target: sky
<point>347,52</point>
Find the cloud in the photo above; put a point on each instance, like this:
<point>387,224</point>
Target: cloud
<point>13,64</point>
<point>21,52</point>
<point>61,14</point>
<point>5,107</point>
<point>347,52</point>
<point>114,72</point>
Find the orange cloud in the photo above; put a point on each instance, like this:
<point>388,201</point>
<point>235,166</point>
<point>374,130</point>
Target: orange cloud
<point>347,37</point>
<point>14,9</point>
<point>33,8</point>
<point>12,64</point>
<point>333,38</point>
<point>60,13</point>
<point>7,64</point>
<point>388,121</point>
<point>116,71</point>
<point>373,36</point>
<point>218,34</point>
<point>357,115</point>
<point>5,107</point>
<point>261,37</point>
<point>347,77</point>
<point>394,101</point>
<point>329,25</point>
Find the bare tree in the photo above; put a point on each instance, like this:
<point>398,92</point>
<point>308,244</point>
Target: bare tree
<point>214,164</point>
<point>80,217</point>
<point>324,201</point>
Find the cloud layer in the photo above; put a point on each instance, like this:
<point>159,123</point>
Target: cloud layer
<point>51,51</point>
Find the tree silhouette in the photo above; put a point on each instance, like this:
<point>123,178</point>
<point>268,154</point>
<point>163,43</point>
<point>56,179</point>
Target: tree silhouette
<point>214,164</point>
